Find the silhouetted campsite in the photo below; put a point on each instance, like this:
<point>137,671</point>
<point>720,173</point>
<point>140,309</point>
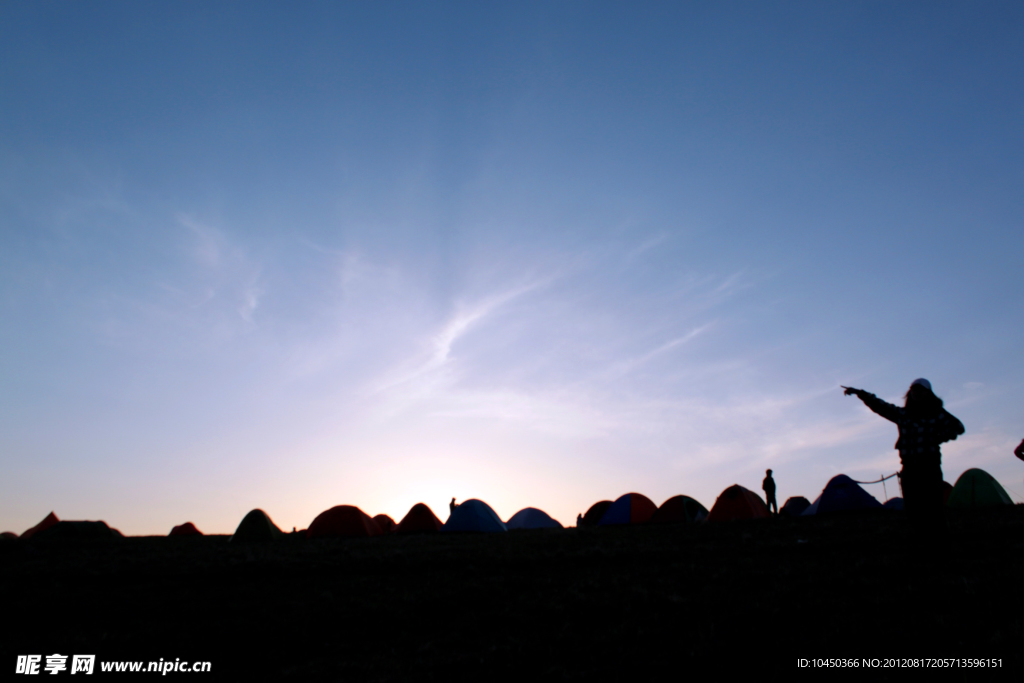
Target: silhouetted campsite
<point>634,587</point>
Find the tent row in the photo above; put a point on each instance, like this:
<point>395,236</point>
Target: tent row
<point>974,488</point>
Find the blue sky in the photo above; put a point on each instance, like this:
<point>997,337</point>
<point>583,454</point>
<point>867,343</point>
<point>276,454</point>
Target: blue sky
<point>293,257</point>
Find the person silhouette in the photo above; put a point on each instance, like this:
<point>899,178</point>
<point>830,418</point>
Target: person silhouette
<point>451,506</point>
<point>923,425</point>
<point>769,492</point>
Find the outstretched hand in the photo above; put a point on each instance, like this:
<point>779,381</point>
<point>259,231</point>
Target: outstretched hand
<point>1019,451</point>
<point>850,390</point>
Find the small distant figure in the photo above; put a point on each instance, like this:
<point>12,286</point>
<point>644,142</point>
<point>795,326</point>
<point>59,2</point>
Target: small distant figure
<point>579,517</point>
<point>452,505</point>
<point>1019,451</point>
<point>769,492</point>
<point>923,425</point>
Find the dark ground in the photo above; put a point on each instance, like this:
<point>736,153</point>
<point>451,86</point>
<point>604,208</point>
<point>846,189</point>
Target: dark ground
<point>709,600</point>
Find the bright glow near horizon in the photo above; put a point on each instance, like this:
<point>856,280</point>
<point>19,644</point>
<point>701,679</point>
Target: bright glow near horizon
<point>540,255</point>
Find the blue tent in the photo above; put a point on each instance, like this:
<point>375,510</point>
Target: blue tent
<point>474,515</point>
<point>842,494</point>
<point>532,518</point>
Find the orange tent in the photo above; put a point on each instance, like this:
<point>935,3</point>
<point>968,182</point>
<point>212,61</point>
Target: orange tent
<point>186,529</point>
<point>47,522</point>
<point>386,524</point>
<point>343,520</point>
<point>737,502</point>
<point>420,519</point>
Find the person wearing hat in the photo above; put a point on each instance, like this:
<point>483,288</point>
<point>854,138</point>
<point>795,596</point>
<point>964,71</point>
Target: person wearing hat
<point>923,424</point>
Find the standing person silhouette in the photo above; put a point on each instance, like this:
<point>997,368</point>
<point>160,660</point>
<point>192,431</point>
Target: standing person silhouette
<point>769,492</point>
<point>923,424</point>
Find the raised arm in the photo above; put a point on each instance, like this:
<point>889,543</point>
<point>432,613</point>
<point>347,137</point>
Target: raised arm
<point>877,405</point>
<point>1019,451</point>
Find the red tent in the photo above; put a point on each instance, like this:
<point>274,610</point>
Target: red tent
<point>386,524</point>
<point>186,529</point>
<point>343,520</point>
<point>420,519</point>
<point>47,522</point>
<point>737,502</point>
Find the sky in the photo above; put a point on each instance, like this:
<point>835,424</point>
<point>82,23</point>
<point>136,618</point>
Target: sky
<point>299,255</point>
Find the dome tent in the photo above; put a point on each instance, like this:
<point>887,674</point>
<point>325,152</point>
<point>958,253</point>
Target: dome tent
<point>256,526</point>
<point>385,523</point>
<point>842,494</point>
<point>736,503</point>
<point>631,508</point>
<point>532,518</point>
<point>794,506</point>
<point>186,529</point>
<point>977,488</point>
<point>419,520</point>
<point>343,521</point>
<point>474,515</point>
<point>680,509</point>
<point>595,513</point>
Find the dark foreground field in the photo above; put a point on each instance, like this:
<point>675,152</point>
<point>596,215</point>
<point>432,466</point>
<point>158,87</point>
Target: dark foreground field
<point>707,601</point>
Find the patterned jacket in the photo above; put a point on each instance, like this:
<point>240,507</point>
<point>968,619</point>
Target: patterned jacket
<point>920,435</point>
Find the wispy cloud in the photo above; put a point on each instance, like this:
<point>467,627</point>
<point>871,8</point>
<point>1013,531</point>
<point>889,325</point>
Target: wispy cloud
<point>227,271</point>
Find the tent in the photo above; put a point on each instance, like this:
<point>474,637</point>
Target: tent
<point>47,522</point>
<point>631,508</point>
<point>893,504</point>
<point>474,515</point>
<point>343,520</point>
<point>186,529</point>
<point>595,513</point>
<point>977,488</point>
<point>385,523</point>
<point>842,494</point>
<point>256,526</point>
<point>419,520</point>
<point>8,536</point>
<point>532,518</point>
<point>794,506</point>
<point>735,503</point>
<point>680,509</point>
<point>76,530</point>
